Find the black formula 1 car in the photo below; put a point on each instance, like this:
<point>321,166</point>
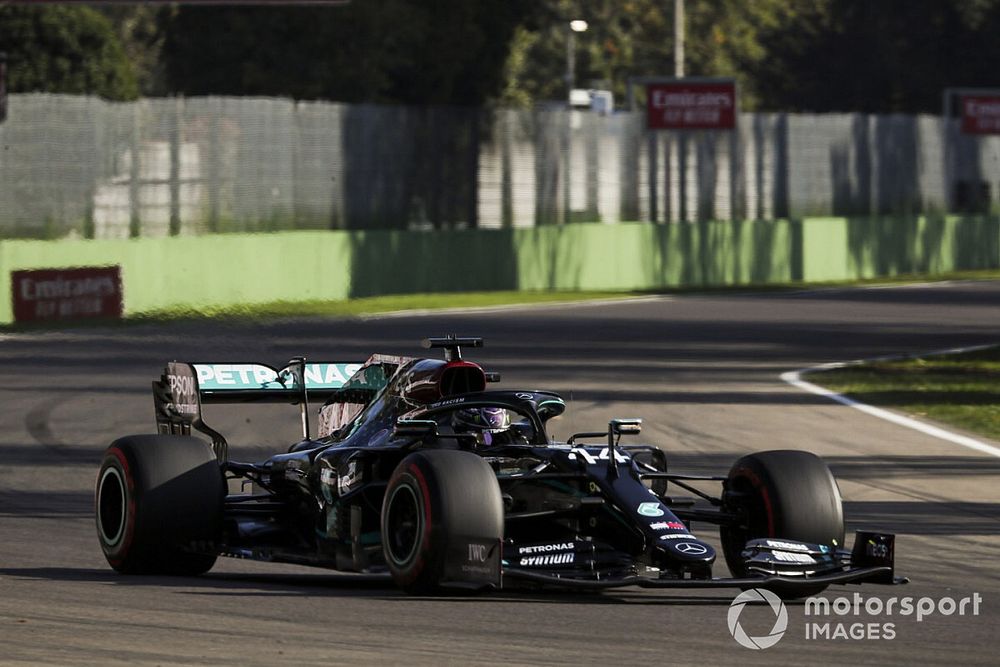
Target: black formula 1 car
<point>419,470</point>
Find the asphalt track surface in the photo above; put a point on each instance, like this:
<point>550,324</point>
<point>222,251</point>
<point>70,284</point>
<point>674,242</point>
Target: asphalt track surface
<point>703,372</point>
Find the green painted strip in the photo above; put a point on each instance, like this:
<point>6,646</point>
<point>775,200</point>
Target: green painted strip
<point>198,271</point>
<point>228,270</point>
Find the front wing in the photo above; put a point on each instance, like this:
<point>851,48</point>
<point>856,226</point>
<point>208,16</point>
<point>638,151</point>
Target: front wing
<point>872,560</point>
<point>873,574</point>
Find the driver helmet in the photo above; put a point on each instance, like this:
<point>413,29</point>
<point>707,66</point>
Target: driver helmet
<point>485,421</point>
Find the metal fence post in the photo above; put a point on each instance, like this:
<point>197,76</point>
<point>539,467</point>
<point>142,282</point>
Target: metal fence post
<point>175,167</point>
<point>214,185</point>
<point>135,173</point>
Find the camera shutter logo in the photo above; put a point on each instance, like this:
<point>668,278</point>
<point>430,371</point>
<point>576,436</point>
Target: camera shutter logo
<point>780,620</point>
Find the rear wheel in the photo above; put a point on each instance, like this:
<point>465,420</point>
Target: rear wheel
<point>786,494</point>
<point>442,508</point>
<point>158,505</point>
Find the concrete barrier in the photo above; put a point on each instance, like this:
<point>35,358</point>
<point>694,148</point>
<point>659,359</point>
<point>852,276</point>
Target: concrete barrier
<point>198,271</point>
<point>849,249</point>
<point>234,269</point>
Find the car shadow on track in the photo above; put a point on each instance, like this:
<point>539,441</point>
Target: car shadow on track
<point>219,583</point>
<point>375,587</point>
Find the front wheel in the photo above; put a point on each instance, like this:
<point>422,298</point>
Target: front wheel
<point>442,522</point>
<point>787,494</point>
<point>158,505</point>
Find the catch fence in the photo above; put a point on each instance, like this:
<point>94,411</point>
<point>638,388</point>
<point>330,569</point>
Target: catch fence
<point>79,166</point>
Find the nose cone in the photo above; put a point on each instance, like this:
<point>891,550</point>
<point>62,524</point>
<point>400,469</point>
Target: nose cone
<point>690,550</point>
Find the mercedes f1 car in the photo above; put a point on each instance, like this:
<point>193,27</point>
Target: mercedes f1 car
<point>418,470</point>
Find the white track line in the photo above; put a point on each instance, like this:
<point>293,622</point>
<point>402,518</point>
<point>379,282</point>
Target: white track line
<point>794,378</point>
<point>553,305</point>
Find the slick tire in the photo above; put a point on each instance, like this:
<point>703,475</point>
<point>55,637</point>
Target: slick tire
<point>787,494</point>
<point>158,505</point>
<point>436,502</point>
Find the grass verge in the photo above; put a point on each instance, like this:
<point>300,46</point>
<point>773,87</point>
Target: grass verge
<point>380,304</point>
<point>400,302</point>
<point>403,302</point>
<point>961,389</point>
<point>345,308</point>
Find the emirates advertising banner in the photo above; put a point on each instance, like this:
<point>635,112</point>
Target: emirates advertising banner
<point>980,114</point>
<point>691,105</point>
<point>66,294</point>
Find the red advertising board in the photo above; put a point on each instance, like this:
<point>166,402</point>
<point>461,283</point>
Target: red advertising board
<point>65,294</point>
<point>691,105</point>
<point>980,114</point>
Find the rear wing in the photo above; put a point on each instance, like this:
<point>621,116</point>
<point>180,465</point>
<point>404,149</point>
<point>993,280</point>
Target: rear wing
<point>241,383</point>
<point>182,389</point>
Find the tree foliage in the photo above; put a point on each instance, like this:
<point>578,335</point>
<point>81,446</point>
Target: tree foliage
<point>408,51</point>
<point>886,56</point>
<point>632,38</point>
<point>789,55</point>
<point>64,50</point>
<point>141,28</point>
<point>801,55</point>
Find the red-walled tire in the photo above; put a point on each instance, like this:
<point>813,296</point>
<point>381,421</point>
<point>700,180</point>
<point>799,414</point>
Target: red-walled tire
<point>158,505</point>
<point>786,494</point>
<point>436,499</point>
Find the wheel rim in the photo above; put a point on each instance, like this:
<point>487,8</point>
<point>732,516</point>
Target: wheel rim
<point>403,525</point>
<point>111,506</point>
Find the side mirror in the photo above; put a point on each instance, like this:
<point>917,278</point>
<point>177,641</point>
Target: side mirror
<point>415,428</point>
<point>625,426</point>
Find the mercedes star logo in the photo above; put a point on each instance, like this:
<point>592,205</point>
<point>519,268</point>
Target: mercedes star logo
<point>691,548</point>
